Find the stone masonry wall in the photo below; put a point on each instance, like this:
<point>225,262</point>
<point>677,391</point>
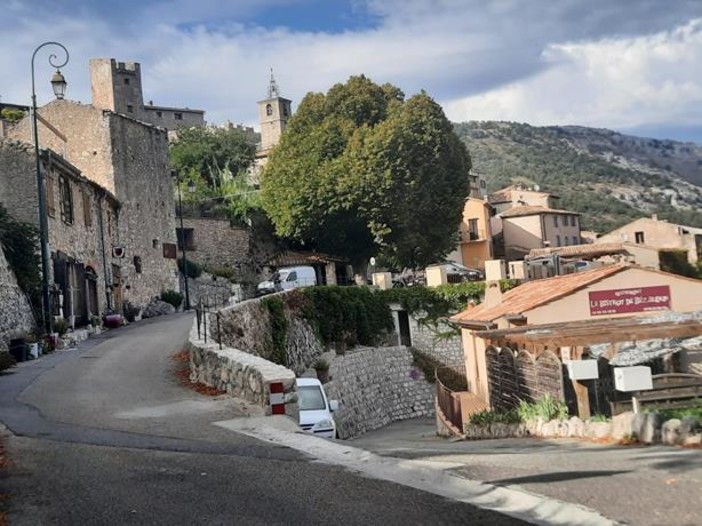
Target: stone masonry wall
<point>16,316</point>
<point>376,387</point>
<point>431,341</point>
<point>218,244</point>
<point>248,326</point>
<point>238,373</point>
<point>130,159</point>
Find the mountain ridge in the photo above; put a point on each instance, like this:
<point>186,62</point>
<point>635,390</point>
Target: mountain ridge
<point>609,177</point>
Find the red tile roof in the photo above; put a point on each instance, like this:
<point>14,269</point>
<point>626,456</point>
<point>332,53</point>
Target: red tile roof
<point>535,293</point>
<point>519,211</point>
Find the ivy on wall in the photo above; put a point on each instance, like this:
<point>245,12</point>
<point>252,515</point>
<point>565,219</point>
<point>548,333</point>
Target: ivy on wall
<point>276,310</point>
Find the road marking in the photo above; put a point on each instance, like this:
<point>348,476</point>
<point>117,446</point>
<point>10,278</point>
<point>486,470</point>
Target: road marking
<point>517,503</point>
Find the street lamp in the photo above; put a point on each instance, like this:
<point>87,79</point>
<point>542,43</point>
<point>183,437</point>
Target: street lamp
<point>191,189</point>
<point>58,83</point>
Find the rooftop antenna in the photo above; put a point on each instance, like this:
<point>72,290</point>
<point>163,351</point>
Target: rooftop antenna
<point>273,90</point>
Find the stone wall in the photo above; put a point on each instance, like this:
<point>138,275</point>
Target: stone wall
<point>434,342</point>
<point>130,159</point>
<point>16,316</point>
<point>211,290</point>
<point>376,387</point>
<point>238,373</point>
<point>216,243</point>
<point>248,326</point>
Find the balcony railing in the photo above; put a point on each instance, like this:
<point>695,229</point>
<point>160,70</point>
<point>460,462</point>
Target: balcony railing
<point>473,235</point>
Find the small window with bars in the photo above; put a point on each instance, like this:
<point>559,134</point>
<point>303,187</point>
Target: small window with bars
<point>66,200</point>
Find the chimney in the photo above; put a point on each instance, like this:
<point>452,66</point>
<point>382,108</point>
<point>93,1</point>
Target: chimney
<point>495,270</point>
<point>654,217</point>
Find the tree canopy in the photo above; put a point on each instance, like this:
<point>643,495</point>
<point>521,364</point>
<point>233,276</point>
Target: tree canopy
<point>362,171</point>
<point>216,161</point>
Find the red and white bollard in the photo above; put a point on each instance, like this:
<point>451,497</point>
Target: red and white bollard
<point>277,398</point>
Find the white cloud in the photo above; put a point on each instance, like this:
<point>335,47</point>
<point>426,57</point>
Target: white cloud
<point>562,62</point>
<point>620,83</point>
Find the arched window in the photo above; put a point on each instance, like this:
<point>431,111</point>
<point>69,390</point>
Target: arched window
<point>269,109</point>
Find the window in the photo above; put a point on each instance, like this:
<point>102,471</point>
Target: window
<point>565,240</point>
<point>186,237</point>
<point>269,110</point>
<point>178,116</point>
<point>159,114</point>
<point>310,398</point>
<point>126,81</point>
<point>87,209</point>
<point>575,240</point>
<point>483,184</point>
<point>130,108</point>
<point>292,276</point>
<point>555,221</point>
<point>558,240</point>
<point>285,111</point>
<point>572,220</point>
<point>639,238</point>
<point>66,200</point>
<point>50,205</point>
<point>473,229</point>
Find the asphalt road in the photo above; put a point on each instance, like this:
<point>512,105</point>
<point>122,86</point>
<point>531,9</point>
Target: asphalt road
<point>105,434</point>
<point>638,485</point>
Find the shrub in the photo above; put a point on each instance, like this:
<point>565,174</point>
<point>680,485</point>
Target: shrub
<point>220,272</point>
<point>347,315</point>
<point>6,360</point>
<point>546,407</point>
<point>173,297</point>
<point>321,365</point>
<point>192,269</point>
<point>61,326</point>
<point>487,417</point>
<point>279,327</point>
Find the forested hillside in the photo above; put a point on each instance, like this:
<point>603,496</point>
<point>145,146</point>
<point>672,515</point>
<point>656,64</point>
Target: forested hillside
<point>609,177</point>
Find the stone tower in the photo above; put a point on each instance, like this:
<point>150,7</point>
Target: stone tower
<point>116,86</point>
<point>273,113</point>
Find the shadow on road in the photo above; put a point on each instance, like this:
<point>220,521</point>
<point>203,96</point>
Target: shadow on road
<point>560,476</point>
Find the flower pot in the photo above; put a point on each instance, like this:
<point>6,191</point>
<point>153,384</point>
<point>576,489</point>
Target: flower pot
<point>34,350</point>
<point>323,375</point>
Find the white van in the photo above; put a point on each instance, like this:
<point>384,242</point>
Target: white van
<point>289,278</point>
<point>315,409</point>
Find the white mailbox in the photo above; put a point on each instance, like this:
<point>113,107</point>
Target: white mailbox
<point>636,378</point>
<point>582,369</point>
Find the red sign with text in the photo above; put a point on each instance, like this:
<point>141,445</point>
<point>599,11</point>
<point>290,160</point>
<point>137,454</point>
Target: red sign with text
<point>621,301</point>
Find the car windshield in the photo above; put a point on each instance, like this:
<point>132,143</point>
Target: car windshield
<point>283,275</point>
<point>310,398</point>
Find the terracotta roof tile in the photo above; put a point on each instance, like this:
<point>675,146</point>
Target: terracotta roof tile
<point>534,293</point>
<point>572,251</point>
<point>519,211</point>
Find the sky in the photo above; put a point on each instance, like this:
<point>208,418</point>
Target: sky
<point>630,65</point>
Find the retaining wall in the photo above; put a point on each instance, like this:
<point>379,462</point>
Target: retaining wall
<point>377,386</point>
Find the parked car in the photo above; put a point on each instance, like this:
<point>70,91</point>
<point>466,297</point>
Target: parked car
<point>315,409</point>
<point>288,278</point>
<point>455,272</point>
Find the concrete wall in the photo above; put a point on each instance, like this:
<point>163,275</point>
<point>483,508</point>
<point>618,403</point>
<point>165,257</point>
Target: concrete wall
<point>522,233</point>
<point>16,318</point>
<point>376,387</point>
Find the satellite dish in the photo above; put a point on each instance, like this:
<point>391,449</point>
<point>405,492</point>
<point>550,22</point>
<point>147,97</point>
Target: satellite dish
<point>372,262</point>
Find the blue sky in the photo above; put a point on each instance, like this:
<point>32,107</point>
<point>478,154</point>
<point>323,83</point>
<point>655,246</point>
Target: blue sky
<point>629,65</point>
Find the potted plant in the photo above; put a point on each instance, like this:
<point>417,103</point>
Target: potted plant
<point>322,368</point>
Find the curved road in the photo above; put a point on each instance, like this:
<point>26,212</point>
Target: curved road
<point>105,434</point>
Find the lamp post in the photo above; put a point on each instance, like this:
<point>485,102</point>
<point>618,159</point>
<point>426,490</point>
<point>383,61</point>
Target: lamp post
<point>58,83</point>
<point>191,188</point>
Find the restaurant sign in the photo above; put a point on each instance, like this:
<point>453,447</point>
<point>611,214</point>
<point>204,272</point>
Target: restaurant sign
<point>622,301</point>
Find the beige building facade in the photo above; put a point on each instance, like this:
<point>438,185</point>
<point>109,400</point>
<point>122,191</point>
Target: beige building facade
<point>475,236</point>
<point>528,227</point>
<point>614,291</point>
<point>655,233</point>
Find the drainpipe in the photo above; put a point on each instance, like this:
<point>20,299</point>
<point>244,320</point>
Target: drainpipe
<point>104,259</point>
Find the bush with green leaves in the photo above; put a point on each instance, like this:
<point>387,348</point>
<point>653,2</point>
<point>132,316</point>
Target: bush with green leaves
<point>61,326</point>
<point>192,269</point>
<point>545,407</point>
<point>279,325</point>
<point>355,315</point>
<point>6,360</point>
<point>173,297</point>
<point>488,417</point>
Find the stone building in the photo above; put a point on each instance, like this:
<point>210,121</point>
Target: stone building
<point>16,316</point>
<point>116,87</point>
<point>129,158</point>
<point>83,230</point>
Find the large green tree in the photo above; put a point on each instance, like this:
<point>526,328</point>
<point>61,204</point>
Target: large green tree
<point>216,161</point>
<point>362,171</point>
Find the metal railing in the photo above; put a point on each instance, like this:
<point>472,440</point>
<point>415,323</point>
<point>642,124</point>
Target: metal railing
<point>207,308</point>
